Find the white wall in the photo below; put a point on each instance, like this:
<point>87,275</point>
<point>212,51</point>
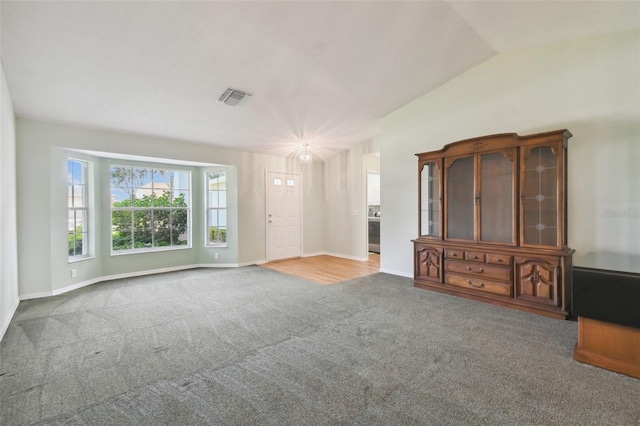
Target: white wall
<point>8,241</point>
<point>591,87</point>
<point>41,159</point>
<point>346,202</point>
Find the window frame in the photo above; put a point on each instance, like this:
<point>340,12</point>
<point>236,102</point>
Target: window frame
<point>71,207</point>
<point>164,168</point>
<point>208,209</point>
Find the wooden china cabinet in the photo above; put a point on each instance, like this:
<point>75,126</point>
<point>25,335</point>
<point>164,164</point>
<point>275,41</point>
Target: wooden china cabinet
<point>492,224</point>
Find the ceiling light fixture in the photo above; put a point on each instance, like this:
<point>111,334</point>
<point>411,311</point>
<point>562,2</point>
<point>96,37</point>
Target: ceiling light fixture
<point>306,156</point>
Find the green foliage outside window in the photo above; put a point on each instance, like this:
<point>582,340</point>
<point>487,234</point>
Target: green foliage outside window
<point>75,242</point>
<point>151,227</point>
<point>217,235</point>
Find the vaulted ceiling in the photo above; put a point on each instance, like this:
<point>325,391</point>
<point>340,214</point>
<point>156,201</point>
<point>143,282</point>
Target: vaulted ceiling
<point>320,72</point>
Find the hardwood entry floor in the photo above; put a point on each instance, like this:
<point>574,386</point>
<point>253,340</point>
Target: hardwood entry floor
<point>326,269</point>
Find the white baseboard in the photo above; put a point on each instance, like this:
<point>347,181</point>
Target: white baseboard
<point>398,273</point>
<point>255,262</point>
<point>318,253</point>
<point>131,275</point>
<point>172,269</point>
<point>346,256</point>
<point>5,326</point>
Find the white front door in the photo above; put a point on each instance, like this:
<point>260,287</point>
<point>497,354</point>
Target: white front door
<point>284,218</point>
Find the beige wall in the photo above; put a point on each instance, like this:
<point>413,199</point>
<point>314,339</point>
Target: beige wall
<point>591,87</point>
<point>346,202</point>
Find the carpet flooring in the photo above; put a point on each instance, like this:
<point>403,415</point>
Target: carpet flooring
<point>252,346</point>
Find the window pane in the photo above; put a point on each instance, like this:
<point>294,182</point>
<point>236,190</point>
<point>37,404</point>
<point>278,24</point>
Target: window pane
<point>213,198</point>
<point>162,236</point>
<point>161,218</point>
<point>213,218</point>
<point>120,197</point>
<point>179,221</point>
<point>81,219</point>
<point>142,219</point>
<point>142,186</point>
<point>216,203</point>
<point>122,240</point>
<point>75,244</point>
<point>78,196</point>
<point>77,203</point>
<point>147,224</point>
<point>71,227</point>
<point>121,177</point>
<point>180,198</point>
<point>79,174</point>
<point>142,237</point>
<point>121,235</point>
<point>181,180</point>
<point>217,234</point>
<point>214,181</point>
<point>80,246</point>
<point>162,228</point>
<point>182,238</point>
<point>159,177</point>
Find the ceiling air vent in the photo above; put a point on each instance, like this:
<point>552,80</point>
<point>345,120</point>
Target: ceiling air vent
<point>233,97</point>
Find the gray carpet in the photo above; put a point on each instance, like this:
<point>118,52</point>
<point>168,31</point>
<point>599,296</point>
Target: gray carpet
<point>253,346</point>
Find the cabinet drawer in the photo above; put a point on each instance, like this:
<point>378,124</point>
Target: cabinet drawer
<point>474,256</point>
<point>499,259</point>
<point>479,284</point>
<point>454,254</point>
<point>495,272</point>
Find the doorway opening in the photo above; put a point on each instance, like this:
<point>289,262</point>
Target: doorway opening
<point>373,212</point>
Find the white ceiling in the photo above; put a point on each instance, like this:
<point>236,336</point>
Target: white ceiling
<point>320,72</point>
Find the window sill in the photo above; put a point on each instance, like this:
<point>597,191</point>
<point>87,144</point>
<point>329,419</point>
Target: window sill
<point>216,245</point>
<point>150,250</point>
<point>81,259</point>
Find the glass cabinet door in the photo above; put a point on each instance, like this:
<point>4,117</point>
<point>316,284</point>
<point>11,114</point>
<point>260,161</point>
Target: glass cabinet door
<point>430,199</point>
<point>497,196</point>
<point>460,198</point>
<point>540,197</point>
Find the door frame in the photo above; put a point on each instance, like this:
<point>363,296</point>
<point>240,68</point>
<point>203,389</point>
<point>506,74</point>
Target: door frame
<point>266,212</point>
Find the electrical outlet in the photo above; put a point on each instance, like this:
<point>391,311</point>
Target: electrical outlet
<point>216,256</point>
<point>74,273</point>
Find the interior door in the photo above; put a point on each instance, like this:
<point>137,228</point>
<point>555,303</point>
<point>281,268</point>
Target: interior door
<point>284,217</point>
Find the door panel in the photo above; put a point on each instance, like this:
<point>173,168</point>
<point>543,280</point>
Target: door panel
<point>284,218</point>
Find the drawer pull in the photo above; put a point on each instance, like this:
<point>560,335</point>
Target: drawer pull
<point>479,271</point>
<point>498,260</point>
<point>481,285</point>
<point>474,257</point>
